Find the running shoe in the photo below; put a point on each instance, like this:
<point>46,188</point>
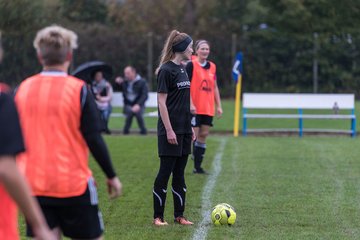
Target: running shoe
<point>159,222</point>
<point>183,221</point>
<point>199,171</point>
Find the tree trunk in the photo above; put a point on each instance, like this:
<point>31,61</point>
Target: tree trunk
<point>190,15</point>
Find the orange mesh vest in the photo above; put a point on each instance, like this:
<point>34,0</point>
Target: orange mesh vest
<point>8,209</point>
<point>202,88</point>
<point>56,158</point>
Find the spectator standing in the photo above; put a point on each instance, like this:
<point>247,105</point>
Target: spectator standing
<point>135,93</point>
<point>103,92</point>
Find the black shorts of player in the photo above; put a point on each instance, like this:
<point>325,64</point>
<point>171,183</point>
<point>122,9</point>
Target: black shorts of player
<point>201,119</point>
<point>167,149</point>
<point>77,217</point>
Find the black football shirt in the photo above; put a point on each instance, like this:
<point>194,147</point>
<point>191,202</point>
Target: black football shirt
<point>172,79</point>
<point>11,140</point>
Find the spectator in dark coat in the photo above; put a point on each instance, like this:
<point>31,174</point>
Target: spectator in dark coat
<point>135,93</point>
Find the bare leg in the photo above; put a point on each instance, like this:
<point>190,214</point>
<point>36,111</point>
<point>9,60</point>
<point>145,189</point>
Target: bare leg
<point>56,232</point>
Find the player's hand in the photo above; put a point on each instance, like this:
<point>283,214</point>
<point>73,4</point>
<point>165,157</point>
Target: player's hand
<point>193,134</point>
<point>44,233</point>
<point>171,137</point>
<point>135,108</point>
<point>119,80</point>
<point>219,112</point>
<point>114,187</point>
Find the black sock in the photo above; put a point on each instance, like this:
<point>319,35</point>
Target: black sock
<point>199,151</point>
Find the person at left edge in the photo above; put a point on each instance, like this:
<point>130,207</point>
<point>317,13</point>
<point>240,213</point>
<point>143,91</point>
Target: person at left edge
<point>60,124</point>
<point>13,186</point>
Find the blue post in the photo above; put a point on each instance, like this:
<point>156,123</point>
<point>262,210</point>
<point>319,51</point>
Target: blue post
<point>353,124</point>
<point>300,123</point>
<point>244,122</point>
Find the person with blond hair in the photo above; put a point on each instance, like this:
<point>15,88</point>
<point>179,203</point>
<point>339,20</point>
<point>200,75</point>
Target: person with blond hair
<point>13,186</point>
<point>205,98</point>
<point>174,126</point>
<point>60,124</point>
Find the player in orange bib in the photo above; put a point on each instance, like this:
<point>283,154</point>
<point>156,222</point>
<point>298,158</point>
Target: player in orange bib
<point>205,98</point>
<point>60,124</point>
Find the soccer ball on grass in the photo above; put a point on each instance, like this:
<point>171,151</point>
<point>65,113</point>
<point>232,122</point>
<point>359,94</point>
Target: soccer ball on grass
<point>223,214</point>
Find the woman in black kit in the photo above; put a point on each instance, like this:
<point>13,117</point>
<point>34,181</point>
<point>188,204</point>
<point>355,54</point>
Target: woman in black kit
<point>174,126</point>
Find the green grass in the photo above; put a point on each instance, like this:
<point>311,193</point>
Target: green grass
<point>290,188</point>
<point>226,123</point>
<point>282,188</point>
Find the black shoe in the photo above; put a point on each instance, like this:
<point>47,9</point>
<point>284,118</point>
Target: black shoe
<point>126,132</point>
<point>107,131</point>
<point>143,132</point>
<point>199,171</point>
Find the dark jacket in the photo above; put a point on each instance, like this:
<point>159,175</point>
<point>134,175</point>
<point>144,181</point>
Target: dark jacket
<point>140,89</point>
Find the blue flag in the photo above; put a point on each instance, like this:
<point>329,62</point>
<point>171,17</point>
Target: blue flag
<point>238,66</point>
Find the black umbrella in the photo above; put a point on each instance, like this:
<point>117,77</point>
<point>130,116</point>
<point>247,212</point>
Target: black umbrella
<point>87,70</point>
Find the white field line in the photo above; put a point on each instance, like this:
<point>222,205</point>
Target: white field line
<point>201,232</point>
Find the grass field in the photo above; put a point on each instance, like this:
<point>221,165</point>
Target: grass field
<point>282,188</point>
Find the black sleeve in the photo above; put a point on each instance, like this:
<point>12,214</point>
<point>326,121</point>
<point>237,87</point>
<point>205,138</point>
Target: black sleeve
<point>143,94</point>
<point>100,152</point>
<point>11,140</point>
<point>90,116</point>
<point>189,69</point>
<point>163,79</point>
<point>90,127</point>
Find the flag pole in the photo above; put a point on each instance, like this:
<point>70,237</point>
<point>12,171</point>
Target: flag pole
<point>237,105</point>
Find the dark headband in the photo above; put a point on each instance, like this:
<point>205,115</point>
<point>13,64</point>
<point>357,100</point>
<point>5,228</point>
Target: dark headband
<point>182,45</point>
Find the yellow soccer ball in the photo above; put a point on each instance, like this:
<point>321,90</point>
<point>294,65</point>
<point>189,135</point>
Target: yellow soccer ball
<point>223,214</point>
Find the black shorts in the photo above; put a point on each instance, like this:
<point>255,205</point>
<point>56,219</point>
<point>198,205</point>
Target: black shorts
<point>77,222</point>
<point>201,119</point>
<point>77,217</point>
<point>167,149</point>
